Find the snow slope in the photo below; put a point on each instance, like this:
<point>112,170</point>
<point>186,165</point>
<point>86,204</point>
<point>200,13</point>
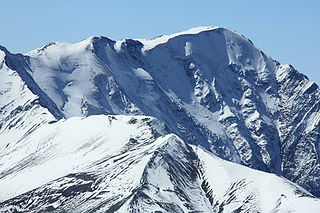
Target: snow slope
<point>69,146</point>
<point>21,111</point>
<point>131,164</point>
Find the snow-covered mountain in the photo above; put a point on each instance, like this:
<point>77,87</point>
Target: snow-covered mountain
<point>208,87</point>
<point>131,164</point>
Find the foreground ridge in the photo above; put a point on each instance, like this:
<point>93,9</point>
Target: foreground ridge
<point>129,164</point>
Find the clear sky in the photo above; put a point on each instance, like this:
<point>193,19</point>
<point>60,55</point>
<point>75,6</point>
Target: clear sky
<point>287,30</point>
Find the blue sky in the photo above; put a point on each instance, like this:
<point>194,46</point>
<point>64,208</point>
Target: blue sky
<point>287,30</point>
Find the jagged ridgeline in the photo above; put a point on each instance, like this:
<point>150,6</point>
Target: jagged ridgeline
<point>147,124</point>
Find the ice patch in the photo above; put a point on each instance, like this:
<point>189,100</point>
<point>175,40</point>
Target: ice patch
<point>117,46</point>
<point>141,73</point>
<point>192,66</point>
<point>188,48</point>
<point>312,122</point>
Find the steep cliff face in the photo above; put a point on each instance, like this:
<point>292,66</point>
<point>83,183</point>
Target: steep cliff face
<point>299,128</point>
<point>210,86</point>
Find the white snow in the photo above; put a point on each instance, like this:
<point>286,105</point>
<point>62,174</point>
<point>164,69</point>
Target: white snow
<point>141,73</point>
<point>312,122</point>
<point>188,48</point>
<point>152,43</point>
<point>2,55</point>
<point>266,188</point>
<point>65,147</point>
<point>117,45</point>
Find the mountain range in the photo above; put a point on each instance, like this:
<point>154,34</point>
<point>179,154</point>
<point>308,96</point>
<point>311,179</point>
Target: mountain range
<point>198,121</point>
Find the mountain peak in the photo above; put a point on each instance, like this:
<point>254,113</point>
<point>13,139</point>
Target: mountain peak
<point>148,43</point>
<point>45,47</point>
<point>153,42</point>
<point>3,53</point>
<point>2,48</point>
